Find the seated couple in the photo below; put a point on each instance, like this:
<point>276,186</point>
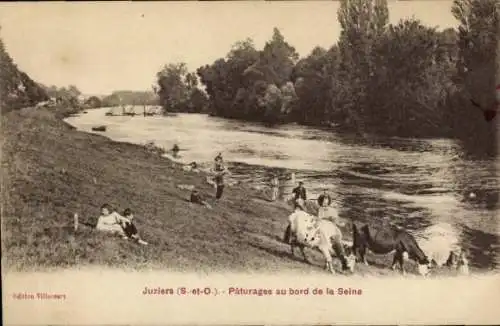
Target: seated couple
<point>325,210</point>
<point>112,222</point>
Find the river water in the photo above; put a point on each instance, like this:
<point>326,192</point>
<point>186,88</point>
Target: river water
<point>412,182</point>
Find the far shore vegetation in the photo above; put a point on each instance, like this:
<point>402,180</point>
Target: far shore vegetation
<point>404,79</point>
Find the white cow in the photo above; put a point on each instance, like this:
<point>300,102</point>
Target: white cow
<point>307,230</point>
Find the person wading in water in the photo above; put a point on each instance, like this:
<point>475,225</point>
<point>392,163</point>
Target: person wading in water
<point>175,150</point>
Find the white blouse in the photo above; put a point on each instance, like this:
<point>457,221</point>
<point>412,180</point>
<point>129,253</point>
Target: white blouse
<point>328,213</point>
<point>107,221</point>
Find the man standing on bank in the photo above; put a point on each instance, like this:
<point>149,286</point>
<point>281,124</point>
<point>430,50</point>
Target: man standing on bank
<point>220,170</point>
<point>219,184</point>
<point>299,192</point>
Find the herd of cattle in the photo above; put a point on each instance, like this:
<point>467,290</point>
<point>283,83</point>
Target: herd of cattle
<point>437,245</point>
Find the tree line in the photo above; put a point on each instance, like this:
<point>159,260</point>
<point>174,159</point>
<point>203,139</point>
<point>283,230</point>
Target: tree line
<point>178,90</point>
<point>403,79</point>
<point>17,89</point>
<point>127,97</point>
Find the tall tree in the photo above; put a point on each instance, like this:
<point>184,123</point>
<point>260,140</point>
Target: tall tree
<point>313,85</point>
<point>173,91</point>
<point>363,22</point>
<point>477,64</point>
<point>279,56</point>
<point>478,34</point>
<point>214,77</point>
<point>411,78</point>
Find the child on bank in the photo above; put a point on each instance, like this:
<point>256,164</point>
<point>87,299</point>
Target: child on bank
<point>129,227</point>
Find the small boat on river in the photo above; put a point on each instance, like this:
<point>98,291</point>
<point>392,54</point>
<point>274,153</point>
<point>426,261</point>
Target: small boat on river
<point>99,128</point>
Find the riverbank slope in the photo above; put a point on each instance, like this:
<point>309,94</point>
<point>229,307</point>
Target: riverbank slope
<point>52,171</point>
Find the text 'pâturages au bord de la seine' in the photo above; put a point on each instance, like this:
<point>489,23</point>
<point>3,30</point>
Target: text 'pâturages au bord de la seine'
<point>245,291</point>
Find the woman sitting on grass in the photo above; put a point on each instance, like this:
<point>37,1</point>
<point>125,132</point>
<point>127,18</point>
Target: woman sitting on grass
<point>326,211</point>
<point>112,222</point>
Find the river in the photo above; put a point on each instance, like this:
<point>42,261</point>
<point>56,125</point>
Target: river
<point>413,182</point>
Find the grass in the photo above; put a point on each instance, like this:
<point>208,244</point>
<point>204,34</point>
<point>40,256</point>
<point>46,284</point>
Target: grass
<point>50,171</point>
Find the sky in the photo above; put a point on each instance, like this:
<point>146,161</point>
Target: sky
<point>102,47</point>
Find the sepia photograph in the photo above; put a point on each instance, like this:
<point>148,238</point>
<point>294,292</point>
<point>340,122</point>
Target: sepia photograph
<point>274,162</point>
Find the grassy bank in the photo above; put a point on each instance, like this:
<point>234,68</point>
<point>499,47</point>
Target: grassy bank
<point>52,170</point>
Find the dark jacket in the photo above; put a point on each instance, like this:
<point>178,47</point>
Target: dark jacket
<point>195,198</point>
<point>299,193</point>
<point>324,197</point>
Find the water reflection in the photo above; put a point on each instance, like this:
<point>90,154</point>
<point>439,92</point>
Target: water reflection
<point>413,183</point>
<point>482,246</point>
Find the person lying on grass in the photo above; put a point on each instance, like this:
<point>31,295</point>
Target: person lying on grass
<point>197,199</point>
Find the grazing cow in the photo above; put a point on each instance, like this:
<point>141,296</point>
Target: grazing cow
<point>306,230</point>
<point>441,244</point>
<point>385,239</point>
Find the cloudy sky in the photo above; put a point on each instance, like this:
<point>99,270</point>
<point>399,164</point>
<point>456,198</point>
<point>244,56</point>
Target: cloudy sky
<point>101,47</point>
